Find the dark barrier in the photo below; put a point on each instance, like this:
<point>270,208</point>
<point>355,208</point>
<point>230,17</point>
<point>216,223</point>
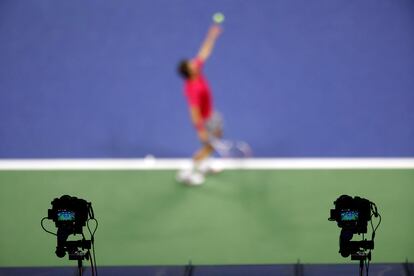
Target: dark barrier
<point>395,269</point>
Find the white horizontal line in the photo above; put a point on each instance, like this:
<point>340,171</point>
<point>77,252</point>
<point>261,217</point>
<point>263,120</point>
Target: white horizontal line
<point>173,164</point>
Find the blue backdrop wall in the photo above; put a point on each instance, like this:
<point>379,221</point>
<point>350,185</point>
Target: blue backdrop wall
<point>294,78</point>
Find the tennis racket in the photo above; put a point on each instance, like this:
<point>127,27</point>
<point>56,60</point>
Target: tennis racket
<point>231,149</point>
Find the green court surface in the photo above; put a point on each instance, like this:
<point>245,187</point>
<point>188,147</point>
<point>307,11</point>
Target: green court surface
<point>237,217</point>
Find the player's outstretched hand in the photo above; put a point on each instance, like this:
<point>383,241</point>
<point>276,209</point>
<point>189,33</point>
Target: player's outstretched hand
<point>215,30</point>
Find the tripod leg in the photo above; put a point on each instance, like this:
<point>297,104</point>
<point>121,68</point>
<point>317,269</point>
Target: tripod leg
<point>80,268</point>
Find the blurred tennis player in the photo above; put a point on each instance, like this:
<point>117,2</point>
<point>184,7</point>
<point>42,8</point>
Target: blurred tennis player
<point>207,122</point>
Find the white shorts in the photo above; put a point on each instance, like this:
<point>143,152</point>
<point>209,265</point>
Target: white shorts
<point>214,124</point>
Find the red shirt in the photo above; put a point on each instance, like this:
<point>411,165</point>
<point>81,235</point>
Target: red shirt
<point>198,92</point>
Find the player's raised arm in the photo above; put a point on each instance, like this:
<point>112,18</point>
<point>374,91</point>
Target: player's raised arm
<point>208,44</point>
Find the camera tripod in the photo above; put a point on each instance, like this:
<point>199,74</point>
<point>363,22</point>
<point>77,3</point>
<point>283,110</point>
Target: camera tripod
<point>80,262</point>
<point>361,256</point>
<point>75,252</point>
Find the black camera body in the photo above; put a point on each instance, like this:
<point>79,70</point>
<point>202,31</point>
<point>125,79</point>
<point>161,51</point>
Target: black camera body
<point>70,213</point>
<point>352,214</point>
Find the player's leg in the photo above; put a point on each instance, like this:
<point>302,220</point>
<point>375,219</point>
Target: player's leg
<point>214,126</point>
<point>202,154</point>
<point>201,164</point>
<point>195,175</point>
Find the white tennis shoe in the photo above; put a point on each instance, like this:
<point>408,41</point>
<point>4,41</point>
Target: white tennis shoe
<point>210,168</point>
<point>190,177</point>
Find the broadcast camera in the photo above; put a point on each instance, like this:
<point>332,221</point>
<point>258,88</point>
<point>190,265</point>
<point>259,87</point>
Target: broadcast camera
<point>70,215</point>
<point>352,214</point>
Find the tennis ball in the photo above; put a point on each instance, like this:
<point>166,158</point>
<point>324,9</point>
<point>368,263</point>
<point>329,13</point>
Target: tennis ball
<point>218,17</point>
